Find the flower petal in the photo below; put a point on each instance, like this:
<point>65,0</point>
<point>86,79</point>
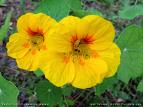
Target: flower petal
<point>29,62</point>
<point>58,39</point>
<point>32,23</point>
<point>15,46</point>
<point>23,23</point>
<point>71,22</point>
<point>59,69</point>
<point>100,29</point>
<point>89,74</point>
<point>112,58</point>
<point>62,34</point>
<point>41,22</point>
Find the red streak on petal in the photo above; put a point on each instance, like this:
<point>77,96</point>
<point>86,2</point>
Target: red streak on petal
<point>44,47</point>
<point>66,59</point>
<point>95,55</point>
<point>88,40</point>
<point>81,61</point>
<point>85,40</point>
<point>33,33</point>
<point>26,45</point>
<point>33,51</point>
<point>74,38</point>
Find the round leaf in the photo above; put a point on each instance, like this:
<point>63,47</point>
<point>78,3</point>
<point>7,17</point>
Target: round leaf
<point>48,93</point>
<point>130,42</point>
<point>8,93</point>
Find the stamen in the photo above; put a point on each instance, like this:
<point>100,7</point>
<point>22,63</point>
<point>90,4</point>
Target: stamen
<point>37,41</point>
<point>81,50</point>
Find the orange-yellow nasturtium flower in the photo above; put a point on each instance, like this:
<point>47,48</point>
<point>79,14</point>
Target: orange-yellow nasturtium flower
<point>82,52</point>
<point>27,44</point>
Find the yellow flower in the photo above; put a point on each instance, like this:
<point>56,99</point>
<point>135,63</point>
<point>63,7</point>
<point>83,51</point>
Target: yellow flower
<point>82,52</point>
<point>26,45</point>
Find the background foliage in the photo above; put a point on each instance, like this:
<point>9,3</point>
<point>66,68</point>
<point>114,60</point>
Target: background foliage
<point>27,88</point>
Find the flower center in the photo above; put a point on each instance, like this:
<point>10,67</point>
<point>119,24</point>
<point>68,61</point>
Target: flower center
<point>81,48</point>
<point>37,41</point>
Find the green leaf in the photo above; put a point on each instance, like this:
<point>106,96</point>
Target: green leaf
<point>130,12</point>
<point>67,90</point>
<point>5,27</point>
<point>2,2</point>
<point>92,0</point>
<point>140,86</point>
<point>70,102</point>
<point>106,84</point>
<point>23,6</point>
<point>48,93</point>
<point>108,2</point>
<point>75,4</point>
<point>90,11</point>
<point>39,73</point>
<point>54,8</point>
<point>130,42</point>
<point>8,93</point>
<point>125,3</point>
<point>123,95</point>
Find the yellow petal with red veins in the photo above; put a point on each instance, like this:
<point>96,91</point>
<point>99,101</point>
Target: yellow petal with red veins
<point>27,44</point>
<point>41,22</point>
<point>92,39</point>
<point>18,45</point>
<point>62,34</point>
<point>100,29</point>
<point>23,23</point>
<point>58,69</point>
<point>30,61</point>
<point>35,23</point>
